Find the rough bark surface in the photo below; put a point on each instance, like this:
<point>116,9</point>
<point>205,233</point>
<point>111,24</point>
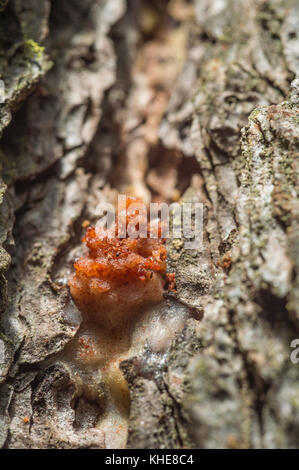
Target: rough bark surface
<point>68,116</point>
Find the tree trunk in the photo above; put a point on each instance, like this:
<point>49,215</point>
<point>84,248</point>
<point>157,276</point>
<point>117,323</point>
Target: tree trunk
<point>195,101</point>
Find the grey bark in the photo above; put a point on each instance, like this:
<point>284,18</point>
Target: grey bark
<point>227,380</point>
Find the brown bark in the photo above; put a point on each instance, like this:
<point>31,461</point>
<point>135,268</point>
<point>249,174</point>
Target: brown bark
<point>228,137</point>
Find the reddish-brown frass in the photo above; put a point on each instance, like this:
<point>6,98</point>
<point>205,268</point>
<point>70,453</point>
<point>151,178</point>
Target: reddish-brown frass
<point>118,275</point>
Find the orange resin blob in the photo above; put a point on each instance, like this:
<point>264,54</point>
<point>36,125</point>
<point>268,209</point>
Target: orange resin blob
<point>119,275</point>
